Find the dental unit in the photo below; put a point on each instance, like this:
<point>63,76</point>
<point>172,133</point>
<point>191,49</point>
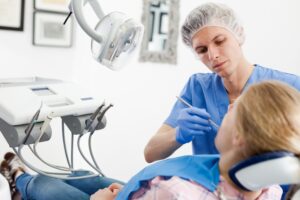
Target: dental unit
<point>27,106</point>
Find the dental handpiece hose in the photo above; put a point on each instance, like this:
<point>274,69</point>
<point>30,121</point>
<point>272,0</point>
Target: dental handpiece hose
<point>189,105</point>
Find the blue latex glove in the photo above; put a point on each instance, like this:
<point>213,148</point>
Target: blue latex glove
<point>191,122</point>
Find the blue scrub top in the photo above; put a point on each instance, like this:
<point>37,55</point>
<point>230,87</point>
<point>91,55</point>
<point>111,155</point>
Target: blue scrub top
<point>206,90</point>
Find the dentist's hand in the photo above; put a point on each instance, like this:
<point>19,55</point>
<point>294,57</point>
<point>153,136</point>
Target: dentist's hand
<point>191,122</point>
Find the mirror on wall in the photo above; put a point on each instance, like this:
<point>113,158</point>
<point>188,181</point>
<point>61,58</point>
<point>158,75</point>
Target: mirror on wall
<point>161,20</point>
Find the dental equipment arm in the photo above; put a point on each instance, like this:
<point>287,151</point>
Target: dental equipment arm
<point>77,9</point>
<point>115,35</point>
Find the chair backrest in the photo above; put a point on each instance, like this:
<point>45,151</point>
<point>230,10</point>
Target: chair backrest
<point>4,189</point>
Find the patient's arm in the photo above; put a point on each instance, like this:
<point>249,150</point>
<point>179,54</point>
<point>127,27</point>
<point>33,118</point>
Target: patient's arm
<point>108,193</point>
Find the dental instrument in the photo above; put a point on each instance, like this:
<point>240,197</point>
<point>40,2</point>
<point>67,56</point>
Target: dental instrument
<point>31,124</point>
<point>90,121</point>
<point>101,112</point>
<point>189,105</point>
<point>98,126</point>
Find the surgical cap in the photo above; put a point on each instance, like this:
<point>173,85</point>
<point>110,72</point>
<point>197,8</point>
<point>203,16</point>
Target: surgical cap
<point>211,14</point>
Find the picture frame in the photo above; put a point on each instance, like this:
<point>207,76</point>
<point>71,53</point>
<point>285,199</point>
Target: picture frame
<point>12,15</point>
<point>159,44</point>
<point>48,29</point>
<point>52,5</point>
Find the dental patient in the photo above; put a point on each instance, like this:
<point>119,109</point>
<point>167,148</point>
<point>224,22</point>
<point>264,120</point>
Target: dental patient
<point>265,118</point>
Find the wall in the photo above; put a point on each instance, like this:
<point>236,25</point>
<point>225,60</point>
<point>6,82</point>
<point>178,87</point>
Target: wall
<point>143,93</point>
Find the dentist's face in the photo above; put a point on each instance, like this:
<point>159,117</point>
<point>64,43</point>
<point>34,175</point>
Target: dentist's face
<point>218,49</point>
<point>224,138</point>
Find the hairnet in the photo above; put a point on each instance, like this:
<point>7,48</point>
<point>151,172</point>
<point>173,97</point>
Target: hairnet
<point>211,14</point>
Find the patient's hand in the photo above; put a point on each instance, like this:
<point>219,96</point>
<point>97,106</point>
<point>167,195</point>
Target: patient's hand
<point>103,194</point>
<point>115,187</point>
<point>108,193</point>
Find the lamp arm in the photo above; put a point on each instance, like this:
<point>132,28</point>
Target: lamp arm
<point>77,6</point>
<point>97,8</point>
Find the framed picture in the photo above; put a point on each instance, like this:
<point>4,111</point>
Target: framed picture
<point>12,14</point>
<point>52,5</point>
<point>48,29</point>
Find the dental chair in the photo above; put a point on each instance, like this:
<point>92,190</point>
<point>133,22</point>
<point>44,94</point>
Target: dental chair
<point>251,175</point>
<point>282,168</point>
<point>4,189</point>
<point>296,195</point>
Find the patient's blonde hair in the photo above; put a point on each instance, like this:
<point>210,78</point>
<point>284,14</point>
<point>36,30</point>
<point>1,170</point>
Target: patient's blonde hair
<point>268,117</point>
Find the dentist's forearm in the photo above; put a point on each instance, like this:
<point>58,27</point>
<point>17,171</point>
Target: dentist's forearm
<point>161,145</point>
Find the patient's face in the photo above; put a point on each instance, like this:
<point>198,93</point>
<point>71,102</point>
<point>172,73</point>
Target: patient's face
<point>224,137</point>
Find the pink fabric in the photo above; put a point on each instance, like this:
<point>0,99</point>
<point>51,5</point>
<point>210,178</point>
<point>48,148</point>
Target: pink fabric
<point>177,188</point>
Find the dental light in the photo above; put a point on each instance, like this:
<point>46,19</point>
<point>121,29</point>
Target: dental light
<point>115,36</point>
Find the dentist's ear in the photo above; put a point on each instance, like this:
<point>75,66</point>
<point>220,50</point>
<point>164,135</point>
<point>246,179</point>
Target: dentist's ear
<point>241,34</point>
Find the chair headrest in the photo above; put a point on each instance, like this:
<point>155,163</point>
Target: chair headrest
<point>266,169</point>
